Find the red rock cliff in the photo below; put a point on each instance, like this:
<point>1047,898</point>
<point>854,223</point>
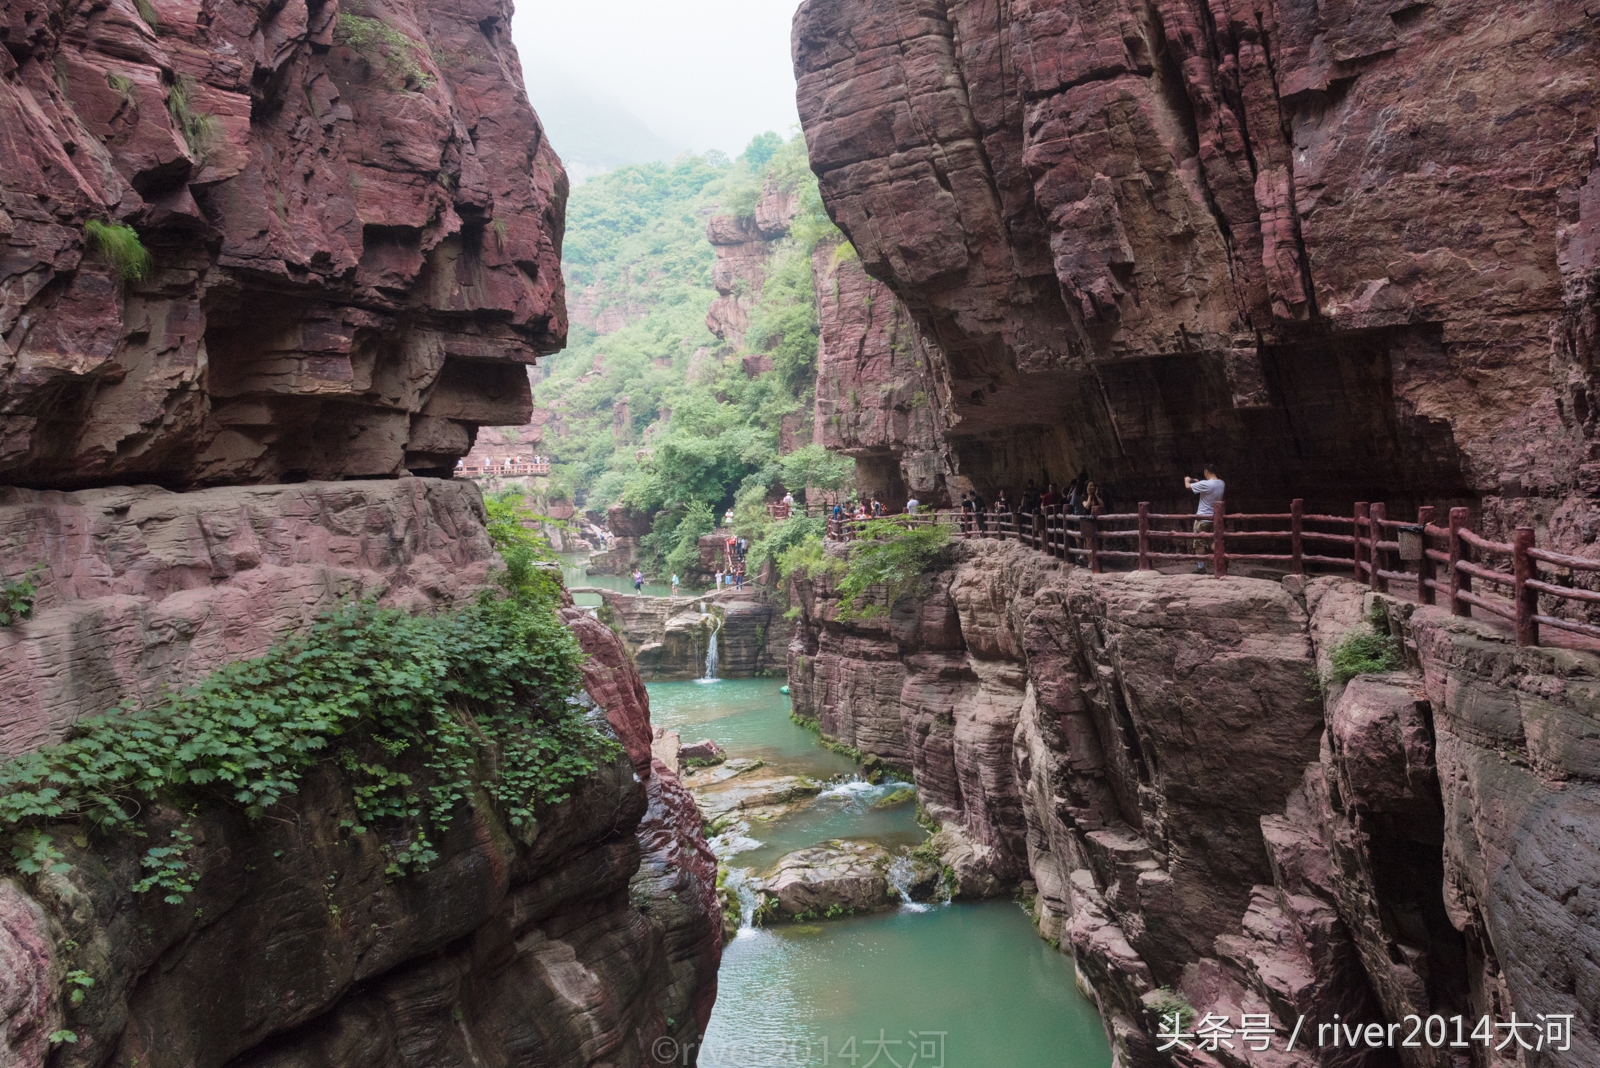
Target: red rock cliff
<point>354,220</point>
<point>1330,245</point>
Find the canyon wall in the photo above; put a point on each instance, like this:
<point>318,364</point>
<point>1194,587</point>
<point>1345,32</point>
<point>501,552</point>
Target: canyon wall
<point>1153,760</point>
<point>354,226</point>
<point>579,940</point>
<point>1345,251</point>
<point>259,267</point>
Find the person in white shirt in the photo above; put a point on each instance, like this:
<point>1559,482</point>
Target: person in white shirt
<point>1209,490</point>
<point>912,505</point>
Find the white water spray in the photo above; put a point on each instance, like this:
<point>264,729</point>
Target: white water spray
<point>900,879</point>
<point>711,652</point>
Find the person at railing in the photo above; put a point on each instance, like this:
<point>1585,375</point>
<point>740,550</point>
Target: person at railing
<point>788,499</point>
<point>980,512</point>
<point>1089,500</point>
<point>912,505</point>
<point>1001,504</point>
<point>838,512</point>
<point>1050,498</point>
<point>877,507</point>
<point>1030,501</point>
<point>1209,489</point>
<point>967,510</point>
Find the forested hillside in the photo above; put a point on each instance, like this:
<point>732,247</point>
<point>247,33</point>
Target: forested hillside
<point>647,406</point>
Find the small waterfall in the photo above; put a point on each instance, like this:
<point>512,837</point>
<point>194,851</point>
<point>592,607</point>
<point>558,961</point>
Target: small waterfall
<point>738,881</point>
<point>711,651</point>
<point>900,879</point>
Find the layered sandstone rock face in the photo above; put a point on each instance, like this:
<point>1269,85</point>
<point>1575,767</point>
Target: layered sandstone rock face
<point>141,589</point>
<point>580,940</point>
<point>744,244</point>
<point>355,223</point>
<point>1150,756</point>
<point>1340,249</point>
<point>876,384</point>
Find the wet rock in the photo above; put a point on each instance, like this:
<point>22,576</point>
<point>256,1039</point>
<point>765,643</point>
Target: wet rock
<point>830,880</point>
<point>702,753</point>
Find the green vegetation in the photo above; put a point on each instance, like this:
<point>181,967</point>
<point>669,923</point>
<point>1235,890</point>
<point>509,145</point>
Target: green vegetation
<point>147,11</point>
<point>120,84</point>
<point>121,247</point>
<point>890,557</point>
<point>1363,651</point>
<point>16,598</point>
<point>698,434</point>
<point>198,128</point>
<point>379,43</point>
<point>421,714</point>
<point>1168,1003</point>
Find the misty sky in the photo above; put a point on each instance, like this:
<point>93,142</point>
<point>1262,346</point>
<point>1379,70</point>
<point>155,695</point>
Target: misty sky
<point>701,73</point>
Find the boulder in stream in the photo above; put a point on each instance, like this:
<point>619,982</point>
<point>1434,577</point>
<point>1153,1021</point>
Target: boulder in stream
<point>834,879</point>
<point>701,754</point>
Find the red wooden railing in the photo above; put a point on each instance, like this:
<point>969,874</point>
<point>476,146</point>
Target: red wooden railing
<point>1443,556</point>
<point>514,467</point>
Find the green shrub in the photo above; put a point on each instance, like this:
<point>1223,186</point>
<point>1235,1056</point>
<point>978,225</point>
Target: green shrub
<point>121,247</point>
<point>887,556</point>
<point>418,712</point>
<point>16,598</point>
<point>120,84</point>
<point>1168,1003</point>
<point>1363,651</point>
<point>380,43</point>
<point>147,11</point>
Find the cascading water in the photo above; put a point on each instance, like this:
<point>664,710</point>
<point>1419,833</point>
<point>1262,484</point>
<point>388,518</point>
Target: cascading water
<point>900,879</point>
<point>738,880</point>
<point>711,651</point>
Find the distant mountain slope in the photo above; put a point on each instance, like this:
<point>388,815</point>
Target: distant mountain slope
<point>591,132</point>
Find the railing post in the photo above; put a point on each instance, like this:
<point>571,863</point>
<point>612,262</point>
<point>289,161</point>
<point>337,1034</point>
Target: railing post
<point>1426,571</point>
<point>1297,509</point>
<point>1091,539</point>
<point>1219,540</point>
<point>1523,569</point>
<point>1379,513</point>
<point>1363,509</point>
<point>1459,580</point>
<point>1144,535</point>
<point>1038,527</point>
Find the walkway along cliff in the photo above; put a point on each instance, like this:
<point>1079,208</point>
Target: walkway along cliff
<point>1169,766</point>
<point>260,269</point>
<point>1345,252</point>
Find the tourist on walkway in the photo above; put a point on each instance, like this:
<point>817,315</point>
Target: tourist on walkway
<point>727,518</point>
<point>1051,498</point>
<point>1090,500</point>
<point>912,505</point>
<point>1209,490</point>
<point>738,579</point>
<point>877,507</point>
<point>980,512</point>
<point>638,581</point>
<point>674,584</point>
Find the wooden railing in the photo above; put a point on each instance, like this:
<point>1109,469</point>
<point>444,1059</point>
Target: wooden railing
<point>1447,560</point>
<point>849,528</point>
<point>515,467</point>
<point>1516,568</point>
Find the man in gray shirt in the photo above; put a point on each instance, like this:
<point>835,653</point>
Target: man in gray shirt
<point>1209,490</point>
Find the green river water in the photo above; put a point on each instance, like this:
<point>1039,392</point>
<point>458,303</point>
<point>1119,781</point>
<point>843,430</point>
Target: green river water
<point>962,985</point>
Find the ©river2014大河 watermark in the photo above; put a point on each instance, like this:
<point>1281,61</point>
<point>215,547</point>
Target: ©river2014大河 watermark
<point>919,1049</point>
<point>1255,1031</point>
